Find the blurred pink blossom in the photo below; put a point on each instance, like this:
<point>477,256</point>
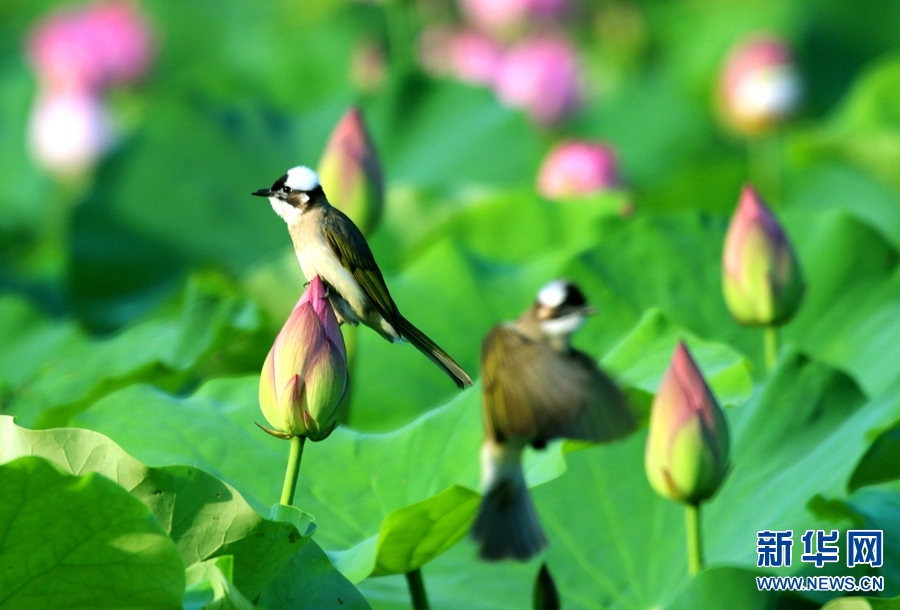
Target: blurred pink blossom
<point>101,44</point>
<point>499,16</point>
<point>540,75</point>
<point>575,168</point>
<point>760,86</point>
<point>69,131</point>
<point>466,55</point>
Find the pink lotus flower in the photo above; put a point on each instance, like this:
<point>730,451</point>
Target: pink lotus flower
<point>466,55</point>
<point>69,131</point>
<point>305,374</point>
<point>576,168</point>
<point>88,49</point>
<point>540,76</point>
<point>759,86</point>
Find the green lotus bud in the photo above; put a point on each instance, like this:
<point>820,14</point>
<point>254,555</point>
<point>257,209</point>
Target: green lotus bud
<point>687,447</point>
<point>761,277</point>
<point>305,374</point>
<point>350,173</point>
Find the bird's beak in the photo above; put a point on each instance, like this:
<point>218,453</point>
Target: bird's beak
<point>262,193</point>
<point>589,311</point>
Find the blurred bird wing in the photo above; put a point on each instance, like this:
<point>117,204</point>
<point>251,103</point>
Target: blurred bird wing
<point>606,416</point>
<point>531,391</point>
<point>352,250</point>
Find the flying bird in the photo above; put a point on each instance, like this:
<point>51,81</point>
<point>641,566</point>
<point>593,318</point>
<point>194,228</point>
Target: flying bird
<point>536,387</point>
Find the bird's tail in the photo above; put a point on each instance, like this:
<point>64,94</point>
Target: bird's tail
<point>434,353</point>
<point>506,526</point>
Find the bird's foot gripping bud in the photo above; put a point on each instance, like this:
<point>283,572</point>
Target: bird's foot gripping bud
<point>305,377</point>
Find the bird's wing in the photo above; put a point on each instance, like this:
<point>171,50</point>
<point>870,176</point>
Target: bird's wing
<point>606,416</point>
<point>352,250</point>
<point>531,391</point>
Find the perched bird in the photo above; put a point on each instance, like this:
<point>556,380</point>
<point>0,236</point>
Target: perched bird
<point>329,245</point>
<point>536,387</point>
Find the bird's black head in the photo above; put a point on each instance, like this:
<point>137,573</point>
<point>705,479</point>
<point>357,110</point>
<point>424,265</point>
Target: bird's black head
<point>561,298</point>
<point>299,187</point>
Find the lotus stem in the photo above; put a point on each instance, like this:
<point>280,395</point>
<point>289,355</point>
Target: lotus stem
<point>771,346</point>
<point>694,540</point>
<point>417,590</point>
<point>293,470</point>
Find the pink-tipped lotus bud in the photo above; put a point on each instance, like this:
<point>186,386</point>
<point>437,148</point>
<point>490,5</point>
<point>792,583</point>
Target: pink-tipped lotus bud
<point>69,131</point>
<point>541,76</point>
<point>575,169</point>
<point>686,457</point>
<point>351,174</point>
<point>305,374</point>
<point>760,86</point>
<point>761,277</point>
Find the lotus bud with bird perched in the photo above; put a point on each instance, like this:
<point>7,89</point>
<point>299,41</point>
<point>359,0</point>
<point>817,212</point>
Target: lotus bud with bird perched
<point>686,457</point>
<point>329,245</point>
<point>535,388</point>
<point>761,277</point>
<point>305,374</point>
<point>350,172</point>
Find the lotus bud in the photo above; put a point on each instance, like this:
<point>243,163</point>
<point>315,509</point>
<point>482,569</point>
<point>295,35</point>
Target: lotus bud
<point>761,277</point>
<point>759,87</point>
<point>541,76</point>
<point>305,374</point>
<point>686,457</point>
<point>575,169</point>
<point>350,173</point>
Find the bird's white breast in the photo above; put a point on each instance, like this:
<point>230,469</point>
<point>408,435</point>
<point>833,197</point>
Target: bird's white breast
<point>317,258</point>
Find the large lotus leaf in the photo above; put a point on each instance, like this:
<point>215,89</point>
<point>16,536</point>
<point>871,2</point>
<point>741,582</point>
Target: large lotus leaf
<point>877,508</point>
<point>310,582</point>
<point>384,503</point>
<point>209,586</point>
<point>51,370</point>
<point>849,310</point>
<point>865,130</point>
<point>205,517</point>
<point>80,542</point>
<point>724,589</point>
<point>643,356</point>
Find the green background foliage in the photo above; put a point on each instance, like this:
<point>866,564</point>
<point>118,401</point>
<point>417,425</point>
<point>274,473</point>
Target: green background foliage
<point>137,305</point>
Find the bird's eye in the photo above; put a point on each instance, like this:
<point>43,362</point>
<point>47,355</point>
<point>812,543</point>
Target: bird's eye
<point>286,189</point>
